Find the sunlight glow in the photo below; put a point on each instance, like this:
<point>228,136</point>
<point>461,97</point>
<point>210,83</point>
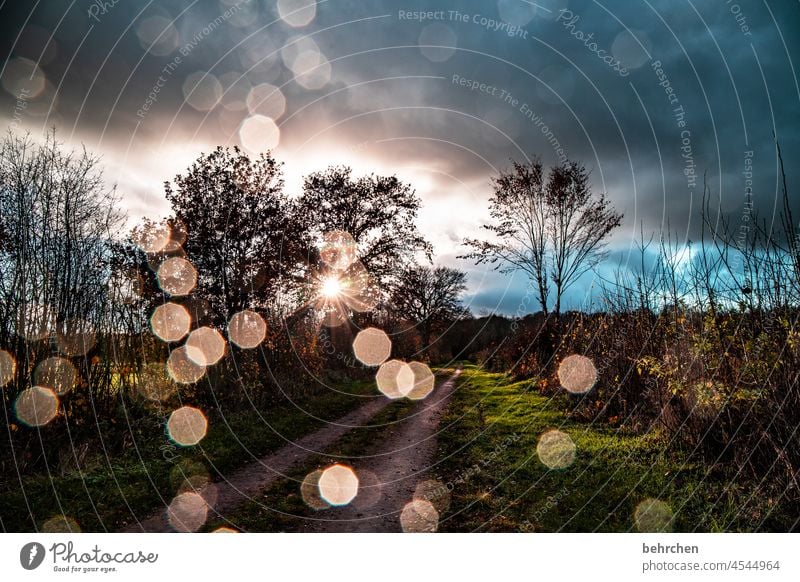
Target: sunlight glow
<point>331,287</point>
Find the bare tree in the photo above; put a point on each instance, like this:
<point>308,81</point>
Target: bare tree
<point>429,297</point>
<point>554,230</point>
<point>57,220</point>
<point>579,225</point>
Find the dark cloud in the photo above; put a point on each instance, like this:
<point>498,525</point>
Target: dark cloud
<point>393,106</point>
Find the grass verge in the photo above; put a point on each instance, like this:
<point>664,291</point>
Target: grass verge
<point>498,483</point>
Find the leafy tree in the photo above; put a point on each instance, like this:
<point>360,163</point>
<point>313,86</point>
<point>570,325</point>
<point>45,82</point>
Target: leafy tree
<point>239,232</point>
<point>554,230</point>
<point>429,297</point>
<point>379,212</point>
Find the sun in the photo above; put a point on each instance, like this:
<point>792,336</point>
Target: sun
<point>331,287</point>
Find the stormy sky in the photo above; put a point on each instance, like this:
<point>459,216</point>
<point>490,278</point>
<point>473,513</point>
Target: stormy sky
<point>654,97</point>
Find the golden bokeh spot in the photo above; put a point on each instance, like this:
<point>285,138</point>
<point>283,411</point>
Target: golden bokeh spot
<point>653,515</point>
<point>61,524</point>
<point>577,374</point>
<point>152,238</point>
<point>386,378</point>
<point>154,383</point>
<point>556,449</point>
<point>419,516</point>
<point>423,382</point>
<point>224,530</point>
<point>309,490</point>
<point>370,489</point>
<point>75,337</point>
<point>247,329</point>
<point>8,368</point>
<point>405,379</point>
<point>56,373</point>
<point>372,346</point>
<point>187,512</point>
<point>187,426</point>
<point>177,276</point>
<point>182,368</point>
<point>435,493</point>
<point>338,485</point>
<point>170,322</point>
<point>36,406</point>
<point>205,346</point>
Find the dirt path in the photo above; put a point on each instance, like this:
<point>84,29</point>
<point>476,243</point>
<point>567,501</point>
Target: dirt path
<point>401,463</point>
<point>257,476</point>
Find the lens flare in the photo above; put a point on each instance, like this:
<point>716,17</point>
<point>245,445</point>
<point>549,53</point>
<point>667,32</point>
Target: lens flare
<point>154,382</point>
<point>266,100</point>
<point>338,250</point>
<point>8,367</point>
<point>435,493</point>
<point>187,426</point>
<point>386,378</point>
<point>36,406</point>
<point>577,374</point>
<point>183,368</point>
<point>152,237</point>
<point>653,515</point>
<point>372,346</point>
<point>187,512</point>
<point>259,133</point>
<point>419,516</point>
<point>297,13</point>
<point>370,490</point>
<point>170,322</point>
<point>331,287</point>
<point>247,329</point>
<point>556,449</point>
<point>75,337</point>
<point>405,379</point>
<point>56,373</point>
<point>310,492</point>
<point>205,346</point>
<point>177,276</point>
<point>423,381</point>
<point>338,485</point>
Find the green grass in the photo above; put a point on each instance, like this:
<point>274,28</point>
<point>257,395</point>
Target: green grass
<point>498,483</point>
<point>105,494</point>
